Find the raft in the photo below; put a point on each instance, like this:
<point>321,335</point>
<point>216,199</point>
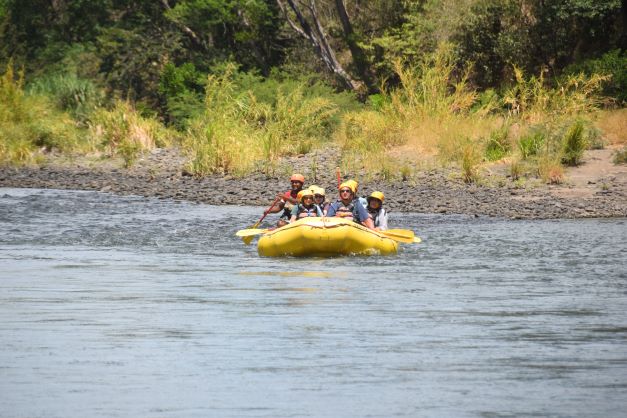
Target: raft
<point>324,237</point>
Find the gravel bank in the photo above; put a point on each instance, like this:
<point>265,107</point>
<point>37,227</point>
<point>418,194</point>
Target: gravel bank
<point>159,174</point>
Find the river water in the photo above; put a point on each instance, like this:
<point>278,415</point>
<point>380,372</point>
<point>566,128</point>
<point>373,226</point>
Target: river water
<point>131,307</point>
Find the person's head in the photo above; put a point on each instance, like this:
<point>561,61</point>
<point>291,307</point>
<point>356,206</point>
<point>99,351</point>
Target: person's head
<point>375,200</point>
<point>347,192</point>
<point>306,197</point>
<point>297,181</point>
<point>318,195</point>
<point>354,185</point>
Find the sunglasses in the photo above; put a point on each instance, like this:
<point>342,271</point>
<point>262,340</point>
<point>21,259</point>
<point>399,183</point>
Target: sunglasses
<point>319,196</point>
<point>346,191</point>
<point>308,197</point>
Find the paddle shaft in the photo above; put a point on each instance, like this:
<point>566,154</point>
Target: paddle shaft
<point>266,212</point>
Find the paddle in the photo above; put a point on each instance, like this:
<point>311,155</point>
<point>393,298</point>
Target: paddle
<point>339,178</point>
<point>251,232</point>
<point>249,238</point>
<point>400,235</point>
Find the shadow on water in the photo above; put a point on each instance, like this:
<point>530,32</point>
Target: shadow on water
<point>107,303</point>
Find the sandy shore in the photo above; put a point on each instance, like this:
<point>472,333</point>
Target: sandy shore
<point>597,188</point>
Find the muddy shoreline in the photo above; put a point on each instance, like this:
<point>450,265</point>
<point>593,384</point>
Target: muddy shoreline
<point>160,175</point>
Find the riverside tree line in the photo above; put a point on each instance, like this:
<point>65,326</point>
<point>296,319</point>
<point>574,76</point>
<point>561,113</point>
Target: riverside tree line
<point>237,84</point>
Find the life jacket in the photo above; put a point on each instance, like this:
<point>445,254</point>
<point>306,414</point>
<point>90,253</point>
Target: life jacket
<point>304,212</point>
<point>287,208</point>
<point>346,211</point>
<point>375,215</point>
<point>324,208</point>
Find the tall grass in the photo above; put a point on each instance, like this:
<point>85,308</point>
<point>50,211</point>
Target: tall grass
<point>30,125</point>
<point>122,131</point>
<point>534,100</point>
<point>432,112</point>
<point>238,132</point>
<point>69,93</point>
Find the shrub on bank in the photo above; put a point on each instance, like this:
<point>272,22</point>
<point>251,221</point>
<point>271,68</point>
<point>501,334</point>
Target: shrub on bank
<point>30,125</point>
<point>122,131</point>
<point>238,132</point>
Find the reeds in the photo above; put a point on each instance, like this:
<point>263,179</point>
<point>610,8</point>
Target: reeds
<point>30,125</point>
<point>122,131</point>
<point>238,133</point>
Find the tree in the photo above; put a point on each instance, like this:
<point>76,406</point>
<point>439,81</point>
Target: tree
<point>245,29</point>
<point>303,17</point>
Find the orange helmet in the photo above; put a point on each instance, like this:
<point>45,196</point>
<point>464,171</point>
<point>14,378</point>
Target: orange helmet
<point>298,177</point>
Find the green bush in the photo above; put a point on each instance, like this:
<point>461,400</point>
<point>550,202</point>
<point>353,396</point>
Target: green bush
<point>182,89</point>
<point>613,63</point>
<point>30,124</point>
<point>573,144</point>
<point>531,144</point>
<point>498,144</point>
<point>620,156</point>
<point>69,93</point>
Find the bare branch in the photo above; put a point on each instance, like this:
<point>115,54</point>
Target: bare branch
<point>195,38</point>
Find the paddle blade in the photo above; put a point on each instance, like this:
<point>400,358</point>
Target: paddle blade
<point>417,240</point>
<point>400,235</point>
<point>249,238</point>
<point>251,232</point>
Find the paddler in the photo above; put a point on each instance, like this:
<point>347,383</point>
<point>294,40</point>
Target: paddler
<point>319,199</point>
<point>306,206</point>
<point>288,199</point>
<point>348,206</point>
<point>376,211</point>
<point>355,187</point>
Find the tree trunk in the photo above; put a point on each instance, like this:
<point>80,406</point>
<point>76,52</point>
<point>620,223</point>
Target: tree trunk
<point>313,31</point>
<point>359,57</point>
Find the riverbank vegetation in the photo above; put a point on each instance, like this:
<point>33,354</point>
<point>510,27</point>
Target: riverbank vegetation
<point>398,86</point>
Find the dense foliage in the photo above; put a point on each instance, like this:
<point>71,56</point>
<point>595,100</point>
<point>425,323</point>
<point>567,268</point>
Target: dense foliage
<point>353,62</point>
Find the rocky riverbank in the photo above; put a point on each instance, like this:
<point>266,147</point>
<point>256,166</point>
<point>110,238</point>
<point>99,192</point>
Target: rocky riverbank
<point>597,188</point>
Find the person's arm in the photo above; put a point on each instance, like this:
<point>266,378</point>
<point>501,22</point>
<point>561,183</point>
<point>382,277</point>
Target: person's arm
<point>294,213</point>
<point>331,210</point>
<point>289,198</point>
<point>368,224</point>
<point>362,213</point>
<point>280,204</point>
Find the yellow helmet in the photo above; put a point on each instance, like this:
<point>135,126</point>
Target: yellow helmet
<point>354,184</point>
<point>317,190</point>
<point>305,192</point>
<point>348,185</point>
<point>376,195</point>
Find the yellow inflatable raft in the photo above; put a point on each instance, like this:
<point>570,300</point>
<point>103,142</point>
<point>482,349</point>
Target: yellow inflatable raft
<point>323,237</point>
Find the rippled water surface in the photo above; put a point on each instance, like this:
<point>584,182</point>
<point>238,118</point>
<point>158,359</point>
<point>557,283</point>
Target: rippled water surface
<point>128,307</point>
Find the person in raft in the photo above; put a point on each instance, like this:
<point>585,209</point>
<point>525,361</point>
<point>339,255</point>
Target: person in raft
<point>375,209</point>
<point>288,200</point>
<point>348,206</point>
<point>306,207</point>
<point>319,199</point>
<point>354,183</point>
